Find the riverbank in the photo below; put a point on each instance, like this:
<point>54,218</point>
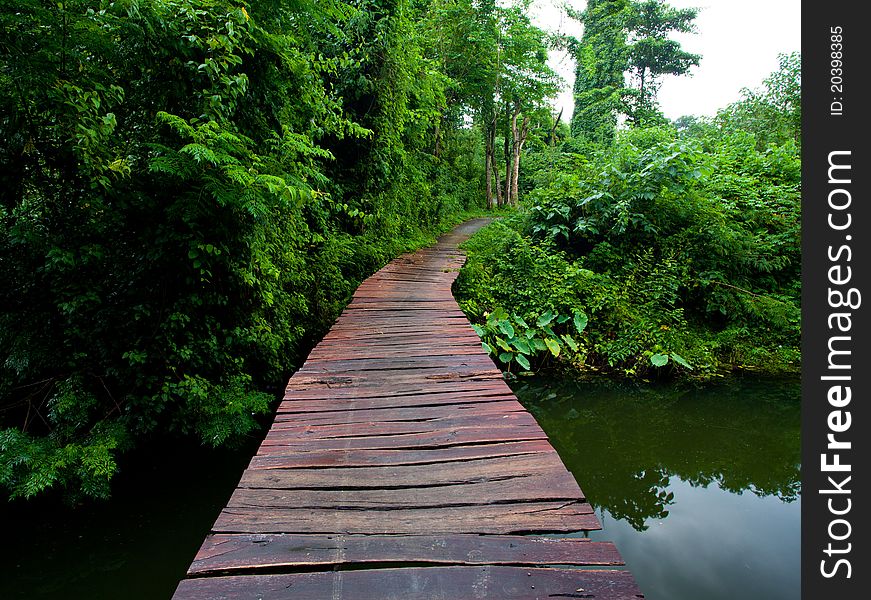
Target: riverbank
<point>638,318</point>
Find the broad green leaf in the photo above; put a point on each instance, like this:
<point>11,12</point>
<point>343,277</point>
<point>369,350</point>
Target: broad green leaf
<point>503,344</point>
<point>553,346</point>
<point>659,360</point>
<point>519,320</point>
<point>681,361</point>
<point>487,348</point>
<point>561,319</point>
<point>478,329</point>
<point>544,319</point>
<point>506,357</point>
<point>571,342</point>
<point>521,346</point>
<point>506,328</point>
<point>580,320</point>
<point>522,361</point>
<point>539,344</point>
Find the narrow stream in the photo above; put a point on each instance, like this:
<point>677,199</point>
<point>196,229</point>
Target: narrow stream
<point>700,488</point>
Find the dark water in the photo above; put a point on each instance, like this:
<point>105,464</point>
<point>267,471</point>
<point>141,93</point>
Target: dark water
<point>699,488</point>
<point>137,546</point>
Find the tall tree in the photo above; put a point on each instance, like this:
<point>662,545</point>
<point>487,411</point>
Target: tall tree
<point>526,82</point>
<point>601,57</point>
<point>495,61</point>
<point>653,54</point>
<point>625,38</point>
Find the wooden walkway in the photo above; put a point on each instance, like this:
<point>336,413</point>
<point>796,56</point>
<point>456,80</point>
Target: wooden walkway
<point>401,466</point>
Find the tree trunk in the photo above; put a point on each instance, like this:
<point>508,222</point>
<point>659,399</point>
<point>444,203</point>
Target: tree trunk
<point>506,150</point>
<point>488,165</point>
<point>518,137</point>
<point>495,167</point>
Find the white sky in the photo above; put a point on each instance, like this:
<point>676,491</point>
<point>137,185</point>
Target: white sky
<point>739,41</point>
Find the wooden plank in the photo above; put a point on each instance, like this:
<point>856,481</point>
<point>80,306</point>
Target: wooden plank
<point>509,518</point>
<point>365,351</point>
<point>541,488</point>
<point>356,429</point>
<point>412,456</point>
<point>223,553</point>
<point>431,439</point>
<point>304,399</point>
<point>393,377</point>
<point>447,362</point>
<point>422,583</point>
<point>401,413</point>
<point>399,381</point>
<point>503,468</point>
<point>299,406</point>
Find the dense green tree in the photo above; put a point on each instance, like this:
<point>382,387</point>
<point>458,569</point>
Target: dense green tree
<point>496,62</point>
<point>653,54</point>
<point>681,252</point>
<point>620,60</point>
<point>680,245</point>
<point>525,84</point>
<point>773,113</point>
<point>601,60</point>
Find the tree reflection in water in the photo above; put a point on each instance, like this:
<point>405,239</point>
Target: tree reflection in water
<point>624,442</point>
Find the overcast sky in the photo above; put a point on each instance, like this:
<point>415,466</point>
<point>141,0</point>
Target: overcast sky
<point>739,41</point>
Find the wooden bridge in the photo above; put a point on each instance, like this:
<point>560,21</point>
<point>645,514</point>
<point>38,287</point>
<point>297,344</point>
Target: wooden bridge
<point>401,466</point>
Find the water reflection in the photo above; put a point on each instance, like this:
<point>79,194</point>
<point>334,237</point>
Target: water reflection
<point>698,488</point>
<point>625,443</point>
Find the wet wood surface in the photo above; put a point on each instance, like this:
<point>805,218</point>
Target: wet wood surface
<point>400,465</point>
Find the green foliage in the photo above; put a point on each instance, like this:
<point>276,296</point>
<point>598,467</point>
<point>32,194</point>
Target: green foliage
<point>601,59</point>
<point>510,338</point>
<point>683,247</point>
<point>652,54</point>
<point>190,193</point>
<point>772,114</point>
<point>625,38</point>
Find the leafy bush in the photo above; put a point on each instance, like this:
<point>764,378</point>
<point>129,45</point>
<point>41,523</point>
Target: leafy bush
<point>684,251</point>
<point>512,339</point>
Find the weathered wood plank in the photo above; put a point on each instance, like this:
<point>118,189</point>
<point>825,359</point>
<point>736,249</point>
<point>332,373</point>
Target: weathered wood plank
<point>278,459</point>
<point>306,431</point>
<point>430,439</point>
<point>223,553</point>
<point>502,468</point>
<point>423,583</point>
<point>419,364</point>
<point>541,488</point>
<point>509,518</point>
<point>305,399</point>
<point>401,413</point>
<point>391,378</point>
<point>400,382</point>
